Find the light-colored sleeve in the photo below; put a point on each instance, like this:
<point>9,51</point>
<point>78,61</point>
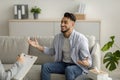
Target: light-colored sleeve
<point>84,50</point>
<point>51,50</point>
<point>2,70</point>
<point>8,74</point>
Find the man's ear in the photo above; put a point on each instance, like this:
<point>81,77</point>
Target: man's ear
<point>73,23</point>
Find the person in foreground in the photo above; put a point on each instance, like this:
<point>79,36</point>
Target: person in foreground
<point>72,56</point>
<point>10,73</point>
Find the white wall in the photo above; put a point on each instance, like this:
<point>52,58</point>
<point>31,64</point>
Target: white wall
<point>105,10</point>
<point>50,9</point>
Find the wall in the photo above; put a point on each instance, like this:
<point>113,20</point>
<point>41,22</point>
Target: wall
<point>50,9</point>
<point>105,10</point>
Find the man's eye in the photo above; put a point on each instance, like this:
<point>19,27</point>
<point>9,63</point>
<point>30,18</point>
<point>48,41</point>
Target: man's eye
<point>65,22</point>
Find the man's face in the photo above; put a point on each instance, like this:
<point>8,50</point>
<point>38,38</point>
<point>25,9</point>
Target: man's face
<point>66,24</point>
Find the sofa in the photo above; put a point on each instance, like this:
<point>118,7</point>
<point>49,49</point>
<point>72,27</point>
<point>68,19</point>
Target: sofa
<point>11,46</point>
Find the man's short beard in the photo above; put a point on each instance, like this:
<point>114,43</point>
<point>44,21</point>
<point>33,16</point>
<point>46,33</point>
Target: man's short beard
<point>65,30</point>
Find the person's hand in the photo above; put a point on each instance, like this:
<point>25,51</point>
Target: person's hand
<point>33,43</point>
<point>84,62</point>
<point>20,58</point>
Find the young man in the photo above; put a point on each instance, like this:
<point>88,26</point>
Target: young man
<point>70,48</point>
<point>9,74</point>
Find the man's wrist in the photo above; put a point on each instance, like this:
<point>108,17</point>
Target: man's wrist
<point>39,47</point>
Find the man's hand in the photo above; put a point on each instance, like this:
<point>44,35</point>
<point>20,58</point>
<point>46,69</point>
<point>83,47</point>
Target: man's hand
<point>33,43</point>
<point>84,62</point>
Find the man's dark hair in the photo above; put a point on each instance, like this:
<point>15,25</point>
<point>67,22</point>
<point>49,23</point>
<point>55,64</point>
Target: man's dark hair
<point>70,16</point>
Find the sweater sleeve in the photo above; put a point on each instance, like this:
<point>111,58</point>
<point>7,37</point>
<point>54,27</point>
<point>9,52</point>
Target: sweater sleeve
<point>8,74</point>
<point>84,50</point>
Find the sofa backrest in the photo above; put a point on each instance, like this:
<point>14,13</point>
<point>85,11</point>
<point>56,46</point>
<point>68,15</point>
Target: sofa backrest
<point>42,58</point>
<point>11,47</point>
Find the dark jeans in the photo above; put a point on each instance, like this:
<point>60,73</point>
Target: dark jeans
<point>71,71</point>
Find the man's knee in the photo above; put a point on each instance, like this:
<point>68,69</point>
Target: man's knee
<point>45,66</point>
<point>69,69</point>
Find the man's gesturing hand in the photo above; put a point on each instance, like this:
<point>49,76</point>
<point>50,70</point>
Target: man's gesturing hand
<point>84,62</point>
<point>33,43</point>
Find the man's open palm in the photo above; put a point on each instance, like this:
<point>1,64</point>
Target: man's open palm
<point>33,43</point>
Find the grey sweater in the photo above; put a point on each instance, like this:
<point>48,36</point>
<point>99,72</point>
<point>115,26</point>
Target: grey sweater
<point>9,74</point>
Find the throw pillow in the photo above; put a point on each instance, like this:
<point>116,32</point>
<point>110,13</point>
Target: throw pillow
<point>96,56</point>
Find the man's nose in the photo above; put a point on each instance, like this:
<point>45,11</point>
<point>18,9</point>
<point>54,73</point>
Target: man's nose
<point>62,24</point>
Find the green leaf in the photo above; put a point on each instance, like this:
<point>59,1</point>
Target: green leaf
<point>108,54</point>
<point>111,66</point>
<point>112,37</point>
<point>108,44</point>
<point>35,9</point>
<point>111,61</point>
<point>117,53</point>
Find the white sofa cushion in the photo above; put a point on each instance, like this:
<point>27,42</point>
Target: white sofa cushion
<point>10,47</point>
<point>44,41</point>
<point>96,56</point>
<point>91,41</point>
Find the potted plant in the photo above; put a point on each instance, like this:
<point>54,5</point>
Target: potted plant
<point>111,58</point>
<point>35,10</point>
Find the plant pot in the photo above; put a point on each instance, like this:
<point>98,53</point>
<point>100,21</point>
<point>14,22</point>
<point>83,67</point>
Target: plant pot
<point>35,15</point>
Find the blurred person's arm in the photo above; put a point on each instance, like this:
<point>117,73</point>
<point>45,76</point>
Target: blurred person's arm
<point>8,74</point>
